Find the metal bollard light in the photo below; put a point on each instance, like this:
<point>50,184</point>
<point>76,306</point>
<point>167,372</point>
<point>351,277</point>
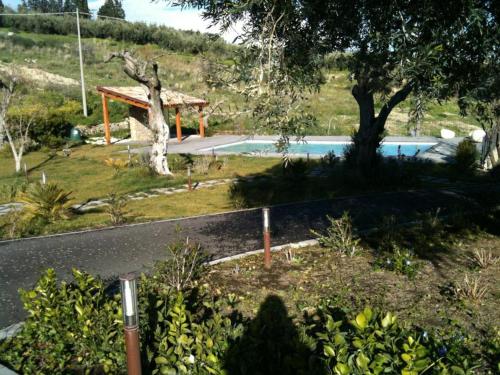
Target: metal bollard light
<point>128,287</point>
<point>190,182</point>
<point>266,222</point>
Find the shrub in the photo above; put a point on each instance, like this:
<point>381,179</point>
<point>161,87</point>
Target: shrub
<point>465,156</point>
<point>70,328</point>
<point>339,236</point>
<point>184,264</point>
<point>400,261</point>
<point>374,343</point>
<point>115,208</point>
<point>295,170</point>
<point>46,202</point>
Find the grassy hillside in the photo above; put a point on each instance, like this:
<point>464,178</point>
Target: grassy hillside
<point>333,106</point>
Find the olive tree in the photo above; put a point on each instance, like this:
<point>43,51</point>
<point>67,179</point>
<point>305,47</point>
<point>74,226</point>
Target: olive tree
<point>392,48</point>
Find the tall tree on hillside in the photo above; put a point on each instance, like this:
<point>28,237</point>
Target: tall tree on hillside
<point>72,5</point>
<point>392,47</point>
<point>112,8</point>
<point>146,74</point>
<point>2,8</point>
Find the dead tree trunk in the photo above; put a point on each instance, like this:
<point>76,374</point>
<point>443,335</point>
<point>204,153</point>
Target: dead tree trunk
<point>146,73</point>
<point>7,92</point>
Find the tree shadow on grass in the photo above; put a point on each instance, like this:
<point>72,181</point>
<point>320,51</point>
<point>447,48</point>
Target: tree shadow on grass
<point>271,345</point>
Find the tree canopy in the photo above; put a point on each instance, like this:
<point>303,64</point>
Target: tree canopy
<point>392,48</point>
<point>112,8</point>
<point>54,6</point>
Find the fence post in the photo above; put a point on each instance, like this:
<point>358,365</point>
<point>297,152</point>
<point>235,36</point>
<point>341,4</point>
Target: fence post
<point>128,287</point>
<point>266,223</point>
<point>190,182</point>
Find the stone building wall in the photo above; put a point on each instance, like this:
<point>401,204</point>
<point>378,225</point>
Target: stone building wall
<point>138,118</point>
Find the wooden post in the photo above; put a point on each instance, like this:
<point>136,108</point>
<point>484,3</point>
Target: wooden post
<point>178,124</point>
<point>105,113</point>
<point>202,125</point>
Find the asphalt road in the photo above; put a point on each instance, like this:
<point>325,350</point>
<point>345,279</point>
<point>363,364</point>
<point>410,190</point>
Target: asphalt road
<point>114,251</point>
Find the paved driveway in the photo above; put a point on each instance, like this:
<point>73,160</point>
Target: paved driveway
<point>110,252</point>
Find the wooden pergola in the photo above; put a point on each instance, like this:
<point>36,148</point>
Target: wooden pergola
<point>137,97</point>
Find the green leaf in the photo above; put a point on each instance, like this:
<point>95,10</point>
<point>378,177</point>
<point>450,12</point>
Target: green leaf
<point>361,321</point>
<point>161,360</point>
<point>342,369</point>
<point>329,351</point>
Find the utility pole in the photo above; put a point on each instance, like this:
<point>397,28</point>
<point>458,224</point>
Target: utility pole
<point>84,95</point>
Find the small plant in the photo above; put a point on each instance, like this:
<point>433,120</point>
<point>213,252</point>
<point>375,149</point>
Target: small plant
<point>115,208</point>
<point>329,160</point>
<point>184,264</point>
<point>465,156</point>
<point>46,202</point>
<point>202,164</point>
<point>8,193</point>
<point>470,288</point>
<point>400,261</point>
<point>237,195</point>
<point>339,236</point>
<point>483,259</point>
<point>117,164</point>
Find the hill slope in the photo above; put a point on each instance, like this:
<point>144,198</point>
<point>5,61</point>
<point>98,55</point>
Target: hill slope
<point>333,106</point>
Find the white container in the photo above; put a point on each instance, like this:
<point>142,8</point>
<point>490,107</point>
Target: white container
<point>447,134</point>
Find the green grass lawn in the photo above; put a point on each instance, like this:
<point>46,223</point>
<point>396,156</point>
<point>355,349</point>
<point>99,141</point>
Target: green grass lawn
<point>88,177</point>
<point>86,174</point>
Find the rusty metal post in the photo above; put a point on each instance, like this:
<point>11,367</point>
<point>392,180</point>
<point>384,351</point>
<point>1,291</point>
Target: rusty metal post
<point>190,182</point>
<point>131,321</point>
<point>267,237</point>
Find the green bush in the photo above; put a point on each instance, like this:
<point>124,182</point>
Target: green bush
<point>339,236</point>
<point>374,343</point>
<point>398,260</point>
<point>70,328</point>
<point>76,328</point>
<point>466,156</point>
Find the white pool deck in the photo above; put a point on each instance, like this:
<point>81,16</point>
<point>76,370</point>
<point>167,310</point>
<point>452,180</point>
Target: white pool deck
<point>441,152</point>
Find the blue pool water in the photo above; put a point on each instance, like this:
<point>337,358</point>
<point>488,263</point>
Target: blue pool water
<point>320,148</point>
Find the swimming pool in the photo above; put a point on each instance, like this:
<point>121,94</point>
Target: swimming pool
<point>318,148</point>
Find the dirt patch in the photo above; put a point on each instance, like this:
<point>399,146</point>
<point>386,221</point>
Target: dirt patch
<point>37,75</point>
<point>316,273</point>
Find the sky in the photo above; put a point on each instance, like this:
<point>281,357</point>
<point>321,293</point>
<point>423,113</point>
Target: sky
<point>158,12</point>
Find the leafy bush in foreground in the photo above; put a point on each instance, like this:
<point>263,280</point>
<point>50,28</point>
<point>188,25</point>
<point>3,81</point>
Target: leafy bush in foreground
<point>77,329</point>
<point>70,328</point>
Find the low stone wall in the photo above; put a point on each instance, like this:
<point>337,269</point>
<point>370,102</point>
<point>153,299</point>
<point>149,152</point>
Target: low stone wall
<point>90,131</point>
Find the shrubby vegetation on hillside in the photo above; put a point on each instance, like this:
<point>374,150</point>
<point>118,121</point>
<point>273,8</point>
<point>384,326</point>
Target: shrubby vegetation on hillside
<point>137,32</point>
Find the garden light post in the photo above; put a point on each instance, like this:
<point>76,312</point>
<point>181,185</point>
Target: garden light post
<point>267,237</point>
<point>128,287</point>
<point>190,182</point>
